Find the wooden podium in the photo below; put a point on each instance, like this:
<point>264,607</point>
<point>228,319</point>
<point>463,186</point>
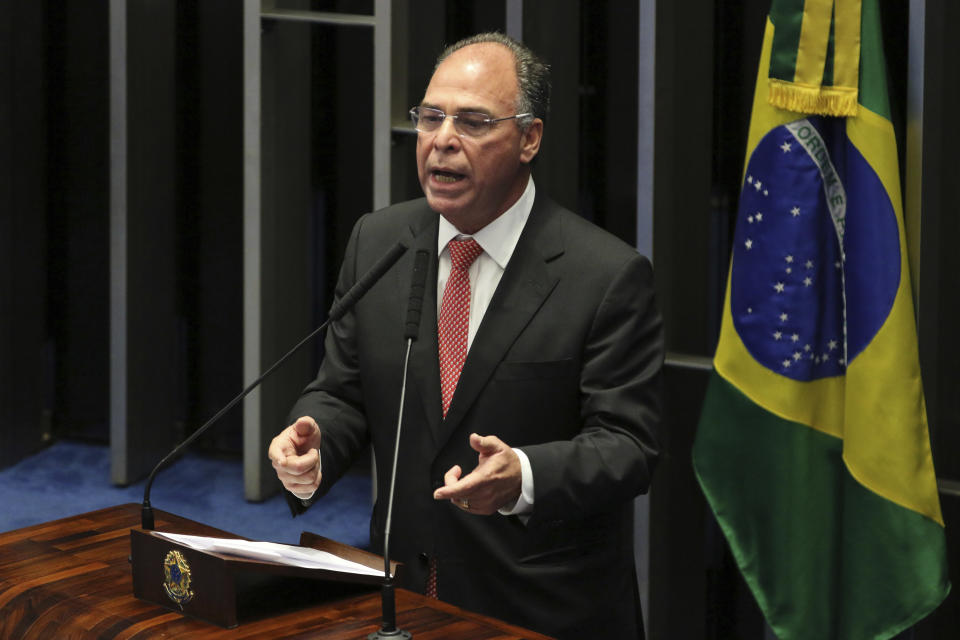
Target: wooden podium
<point>217,587</point>
<point>73,578</point>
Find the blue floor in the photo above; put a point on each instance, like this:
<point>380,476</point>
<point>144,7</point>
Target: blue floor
<point>69,478</point>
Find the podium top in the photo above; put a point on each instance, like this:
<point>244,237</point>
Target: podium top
<point>72,578</point>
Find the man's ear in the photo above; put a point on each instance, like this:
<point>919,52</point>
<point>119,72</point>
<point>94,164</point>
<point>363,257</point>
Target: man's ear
<point>530,142</point>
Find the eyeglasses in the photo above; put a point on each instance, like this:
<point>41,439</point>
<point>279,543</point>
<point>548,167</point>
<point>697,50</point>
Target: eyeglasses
<point>466,123</point>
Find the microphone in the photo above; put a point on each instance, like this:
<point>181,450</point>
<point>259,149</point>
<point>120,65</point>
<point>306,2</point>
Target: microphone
<point>417,286</point>
<point>337,311</point>
<point>389,629</point>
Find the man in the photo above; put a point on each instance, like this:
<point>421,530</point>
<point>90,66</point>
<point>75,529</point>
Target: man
<point>532,398</point>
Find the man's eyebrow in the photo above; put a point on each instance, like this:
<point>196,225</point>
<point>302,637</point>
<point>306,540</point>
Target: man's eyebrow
<point>482,110</point>
<point>485,111</point>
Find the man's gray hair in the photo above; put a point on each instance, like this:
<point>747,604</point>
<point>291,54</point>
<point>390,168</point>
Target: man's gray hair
<point>533,75</point>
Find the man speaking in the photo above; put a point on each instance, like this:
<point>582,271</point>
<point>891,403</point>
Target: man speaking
<point>533,393</point>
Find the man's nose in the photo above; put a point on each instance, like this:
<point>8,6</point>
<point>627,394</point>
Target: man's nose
<point>446,136</point>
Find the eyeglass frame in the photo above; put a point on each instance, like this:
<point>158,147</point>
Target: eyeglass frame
<point>486,119</point>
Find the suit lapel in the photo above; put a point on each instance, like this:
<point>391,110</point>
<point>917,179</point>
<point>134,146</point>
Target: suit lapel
<point>526,283</point>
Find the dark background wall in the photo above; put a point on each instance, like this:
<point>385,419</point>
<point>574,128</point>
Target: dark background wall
<point>24,388</point>
<point>55,212</point>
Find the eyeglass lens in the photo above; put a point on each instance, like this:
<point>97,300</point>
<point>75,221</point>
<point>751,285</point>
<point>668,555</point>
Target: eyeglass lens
<point>465,122</point>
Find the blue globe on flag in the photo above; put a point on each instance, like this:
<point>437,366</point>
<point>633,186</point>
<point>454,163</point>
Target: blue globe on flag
<point>806,295</point>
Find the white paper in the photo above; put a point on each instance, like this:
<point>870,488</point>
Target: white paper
<point>285,554</point>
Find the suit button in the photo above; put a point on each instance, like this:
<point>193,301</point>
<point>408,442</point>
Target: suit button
<point>423,557</point>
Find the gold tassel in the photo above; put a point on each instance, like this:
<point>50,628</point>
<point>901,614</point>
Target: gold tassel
<point>826,101</point>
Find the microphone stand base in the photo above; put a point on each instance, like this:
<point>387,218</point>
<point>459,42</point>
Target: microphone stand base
<point>390,635</point>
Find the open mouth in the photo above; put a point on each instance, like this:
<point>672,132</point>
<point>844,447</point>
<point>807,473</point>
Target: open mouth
<point>447,177</point>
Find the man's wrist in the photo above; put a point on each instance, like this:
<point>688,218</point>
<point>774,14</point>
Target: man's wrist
<point>524,502</point>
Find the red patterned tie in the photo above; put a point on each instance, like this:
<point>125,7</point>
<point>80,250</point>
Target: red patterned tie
<point>453,326</point>
<point>454,321</point>
<point>431,591</point>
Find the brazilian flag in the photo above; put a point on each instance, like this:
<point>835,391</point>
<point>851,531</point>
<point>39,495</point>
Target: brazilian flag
<point>813,449</point>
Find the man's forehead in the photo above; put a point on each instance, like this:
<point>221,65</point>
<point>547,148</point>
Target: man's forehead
<point>489,51</point>
<point>474,76</point>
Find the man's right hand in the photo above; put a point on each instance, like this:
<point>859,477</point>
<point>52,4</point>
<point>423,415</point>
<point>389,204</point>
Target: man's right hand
<point>295,454</point>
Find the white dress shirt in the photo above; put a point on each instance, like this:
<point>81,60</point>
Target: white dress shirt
<point>498,240</point>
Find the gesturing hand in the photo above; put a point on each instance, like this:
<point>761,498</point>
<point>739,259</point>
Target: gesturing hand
<point>494,483</point>
<point>295,454</point>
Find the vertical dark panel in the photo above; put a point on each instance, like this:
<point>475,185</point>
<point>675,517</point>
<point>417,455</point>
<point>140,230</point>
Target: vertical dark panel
<point>696,589</point>
<point>683,112</point>
<point>78,169</point>
<point>939,281</point>
<point>352,106</point>
<point>22,229</point>
<point>702,107</point>
<point>678,515</point>
<point>552,29</point>
<point>215,324</point>
<point>464,19</point>
<point>940,228</point>
<point>615,191</point>
<point>683,170</point>
<point>149,297</point>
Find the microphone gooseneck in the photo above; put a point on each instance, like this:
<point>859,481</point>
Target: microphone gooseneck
<point>389,629</point>
<point>339,308</point>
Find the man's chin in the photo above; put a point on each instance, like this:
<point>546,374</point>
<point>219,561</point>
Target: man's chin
<point>449,208</point>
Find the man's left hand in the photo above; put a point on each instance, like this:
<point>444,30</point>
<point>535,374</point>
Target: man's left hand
<point>494,483</point>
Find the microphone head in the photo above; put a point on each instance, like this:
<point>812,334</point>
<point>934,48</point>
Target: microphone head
<point>421,264</point>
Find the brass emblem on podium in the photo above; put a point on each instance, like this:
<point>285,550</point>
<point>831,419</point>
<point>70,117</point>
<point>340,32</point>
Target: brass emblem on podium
<point>176,578</point>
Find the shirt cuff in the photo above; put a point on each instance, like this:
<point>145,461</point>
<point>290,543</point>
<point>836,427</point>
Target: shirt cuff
<point>524,503</point>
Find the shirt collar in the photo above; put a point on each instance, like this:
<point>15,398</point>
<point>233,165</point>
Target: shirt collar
<point>499,238</point>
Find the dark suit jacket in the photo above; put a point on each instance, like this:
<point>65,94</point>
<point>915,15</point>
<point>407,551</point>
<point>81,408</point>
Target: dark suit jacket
<point>566,365</point>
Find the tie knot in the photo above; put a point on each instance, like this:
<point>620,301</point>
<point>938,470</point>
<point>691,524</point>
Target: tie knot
<point>463,252</point>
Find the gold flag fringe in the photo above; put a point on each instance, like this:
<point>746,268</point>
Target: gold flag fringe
<point>826,101</point>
